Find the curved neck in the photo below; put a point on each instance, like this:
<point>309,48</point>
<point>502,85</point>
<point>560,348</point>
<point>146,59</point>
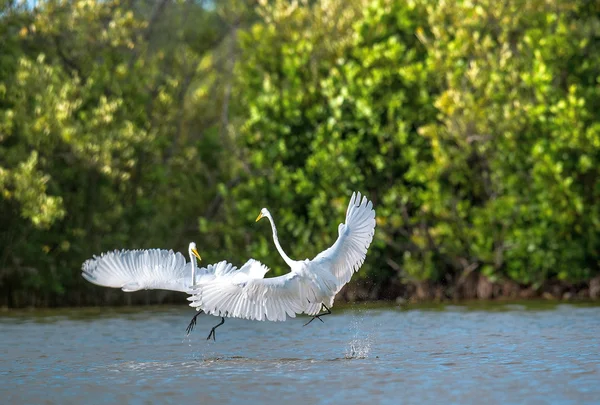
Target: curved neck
<point>193,259</point>
<point>285,257</point>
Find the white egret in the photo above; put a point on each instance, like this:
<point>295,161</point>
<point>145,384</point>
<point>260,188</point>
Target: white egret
<point>152,269</point>
<point>310,285</point>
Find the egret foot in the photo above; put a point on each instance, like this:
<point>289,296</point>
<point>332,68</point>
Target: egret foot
<point>193,323</point>
<point>319,315</point>
<point>212,331</point>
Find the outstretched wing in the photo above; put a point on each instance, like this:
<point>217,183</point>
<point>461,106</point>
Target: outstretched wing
<point>348,252</point>
<point>246,294</point>
<point>132,270</point>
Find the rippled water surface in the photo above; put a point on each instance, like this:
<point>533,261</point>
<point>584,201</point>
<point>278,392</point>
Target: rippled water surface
<point>359,355</point>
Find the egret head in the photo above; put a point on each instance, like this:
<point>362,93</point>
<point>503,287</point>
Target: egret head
<point>194,251</point>
<point>263,213</point>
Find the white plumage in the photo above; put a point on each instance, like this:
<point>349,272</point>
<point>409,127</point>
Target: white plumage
<point>157,269</point>
<point>151,269</point>
<point>244,293</point>
<point>222,289</point>
<point>349,251</point>
<point>309,285</point>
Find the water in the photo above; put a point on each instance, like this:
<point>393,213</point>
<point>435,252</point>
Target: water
<point>453,354</point>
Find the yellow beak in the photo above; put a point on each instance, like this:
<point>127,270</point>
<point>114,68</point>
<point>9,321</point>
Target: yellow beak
<point>259,217</point>
<point>195,252</point>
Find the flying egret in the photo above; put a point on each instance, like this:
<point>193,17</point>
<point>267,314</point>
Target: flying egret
<point>152,269</point>
<point>310,285</point>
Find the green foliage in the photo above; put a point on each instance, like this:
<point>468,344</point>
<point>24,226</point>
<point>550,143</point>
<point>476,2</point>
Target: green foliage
<point>473,127</point>
<point>28,186</point>
<point>512,185</point>
<point>99,144</point>
<point>285,62</point>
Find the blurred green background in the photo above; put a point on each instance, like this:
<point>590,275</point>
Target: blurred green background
<point>474,126</point>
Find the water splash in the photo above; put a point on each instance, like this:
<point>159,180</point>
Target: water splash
<point>360,345</point>
<point>358,349</point>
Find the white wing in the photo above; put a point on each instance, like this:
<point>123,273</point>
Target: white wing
<point>245,294</point>
<point>133,270</point>
<point>254,269</point>
<point>348,252</point>
<point>212,271</point>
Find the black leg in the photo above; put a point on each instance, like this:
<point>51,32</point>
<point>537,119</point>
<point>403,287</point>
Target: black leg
<point>319,315</point>
<point>193,322</point>
<point>212,331</point>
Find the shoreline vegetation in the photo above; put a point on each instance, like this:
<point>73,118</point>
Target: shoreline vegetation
<point>472,289</point>
<point>508,304</point>
<point>472,126</point>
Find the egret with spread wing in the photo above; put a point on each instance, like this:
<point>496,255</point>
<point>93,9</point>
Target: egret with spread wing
<point>152,269</point>
<point>310,285</point>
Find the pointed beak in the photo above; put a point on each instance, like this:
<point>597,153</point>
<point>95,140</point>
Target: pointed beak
<point>259,217</point>
<point>195,252</point>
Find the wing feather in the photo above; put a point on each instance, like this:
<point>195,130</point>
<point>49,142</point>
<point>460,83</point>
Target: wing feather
<point>151,269</point>
<point>348,252</point>
<point>133,270</point>
<point>246,294</point>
